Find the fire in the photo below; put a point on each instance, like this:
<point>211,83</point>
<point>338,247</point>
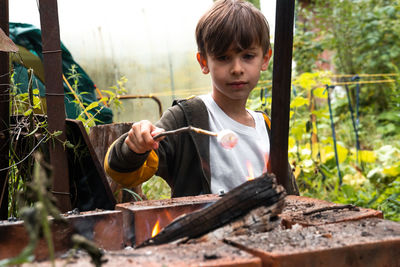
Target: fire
<point>156,229</point>
<point>250,170</point>
<point>266,159</point>
<point>250,167</point>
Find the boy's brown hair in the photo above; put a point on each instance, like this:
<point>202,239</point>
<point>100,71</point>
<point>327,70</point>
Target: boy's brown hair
<point>231,22</point>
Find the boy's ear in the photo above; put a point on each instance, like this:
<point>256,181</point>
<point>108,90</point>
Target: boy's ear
<point>203,63</point>
<point>266,59</point>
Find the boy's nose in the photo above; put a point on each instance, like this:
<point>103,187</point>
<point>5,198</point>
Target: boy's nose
<point>237,68</point>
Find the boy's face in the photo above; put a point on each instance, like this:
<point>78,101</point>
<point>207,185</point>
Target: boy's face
<point>235,73</point>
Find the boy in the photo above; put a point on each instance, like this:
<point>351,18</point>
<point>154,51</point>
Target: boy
<point>233,47</point>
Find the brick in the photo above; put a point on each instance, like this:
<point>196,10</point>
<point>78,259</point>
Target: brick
<point>295,206</point>
<point>101,227</point>
<point>141,217</point>
<point>367,242</point>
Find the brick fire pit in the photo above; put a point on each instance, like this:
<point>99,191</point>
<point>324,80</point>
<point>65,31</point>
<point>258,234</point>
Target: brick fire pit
<point>331,237</point>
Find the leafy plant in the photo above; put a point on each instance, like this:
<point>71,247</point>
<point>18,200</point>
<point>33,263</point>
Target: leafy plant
<point>88,112</point>
<point>371,174</point>
<point>360,35</point>
<point>29,128</point>
<point>156,188</point>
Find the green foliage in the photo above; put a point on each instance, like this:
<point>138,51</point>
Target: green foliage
<point>29,129</point>
<point>307,47</point>
<point>29,186</point>
<point>156,188</point>
<point>362,36</point>
<point>88,112</point>
<point>371,176</point>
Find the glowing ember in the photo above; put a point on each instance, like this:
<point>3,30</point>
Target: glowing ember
<point>156,229</point>
<point>227,138</point>
<point>250,170</point>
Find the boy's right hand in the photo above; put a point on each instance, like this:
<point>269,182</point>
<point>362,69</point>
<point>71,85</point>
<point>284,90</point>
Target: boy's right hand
<point>140,137</point>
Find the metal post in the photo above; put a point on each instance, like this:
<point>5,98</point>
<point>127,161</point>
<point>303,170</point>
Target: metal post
<point>281,84</point>
<point>52,62</point>
<point>4,114</point>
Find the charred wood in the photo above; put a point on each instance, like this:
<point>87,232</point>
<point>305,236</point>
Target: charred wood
<point>348,206</point>
<point>261,191</point>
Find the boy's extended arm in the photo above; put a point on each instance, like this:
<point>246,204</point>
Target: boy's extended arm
<point>131,169</point>
<point>127,167</point>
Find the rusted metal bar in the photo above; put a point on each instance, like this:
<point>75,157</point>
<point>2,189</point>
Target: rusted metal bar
<point>4,113</point>
<point>158,101</point>
<point>52,63</point>
<point>281,84</point>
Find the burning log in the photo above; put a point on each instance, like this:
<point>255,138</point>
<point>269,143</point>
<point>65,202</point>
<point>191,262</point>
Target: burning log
<point>259,192</point>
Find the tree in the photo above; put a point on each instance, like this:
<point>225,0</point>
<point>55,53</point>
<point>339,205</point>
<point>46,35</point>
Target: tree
<point>363,35</point>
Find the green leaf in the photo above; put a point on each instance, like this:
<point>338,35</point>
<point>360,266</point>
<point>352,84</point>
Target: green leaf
<point>392,170</point>
<point>320,92</point>
<point>92,106</point>
<point>28,112</point>
<point>298,102</point>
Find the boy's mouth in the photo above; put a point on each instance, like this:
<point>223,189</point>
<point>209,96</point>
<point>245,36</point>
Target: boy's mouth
<point>237,84</point>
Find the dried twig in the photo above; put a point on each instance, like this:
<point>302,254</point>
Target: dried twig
<point>226,138</point>
<point>185,129</point>
<point>348,206</point>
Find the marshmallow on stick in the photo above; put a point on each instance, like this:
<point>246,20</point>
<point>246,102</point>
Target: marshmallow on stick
<point>226,138</point>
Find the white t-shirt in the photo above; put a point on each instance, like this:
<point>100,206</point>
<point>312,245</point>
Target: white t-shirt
<point>248,159</point>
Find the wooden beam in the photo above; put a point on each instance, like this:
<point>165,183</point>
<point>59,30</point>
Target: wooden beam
<point>4,113</point>
<point>52,61</point>
<point>281,85</point>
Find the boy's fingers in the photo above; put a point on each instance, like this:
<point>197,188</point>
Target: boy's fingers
<point>140,139</point>
<point>134,145</point>
<point>157,131</point>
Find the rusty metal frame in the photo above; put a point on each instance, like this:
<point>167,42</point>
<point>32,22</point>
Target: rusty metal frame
<point>4,113</point>
<point>52,62</point>
<point>158,101</point>
<point>281,84</point>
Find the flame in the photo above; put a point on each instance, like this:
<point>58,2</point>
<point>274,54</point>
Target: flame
<point>250,171</point>
<point>156,229</point>
<point>266,159</point>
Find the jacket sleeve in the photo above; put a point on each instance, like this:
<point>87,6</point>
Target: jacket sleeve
<point>127,167</point>
<point>131,169</point>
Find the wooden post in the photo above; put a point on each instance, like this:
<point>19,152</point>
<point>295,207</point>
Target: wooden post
<point>52,61</point>
<point>4,114</point>
<point>281,84</point>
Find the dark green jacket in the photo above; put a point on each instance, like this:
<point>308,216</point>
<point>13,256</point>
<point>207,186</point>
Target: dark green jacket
<point>181,160</point>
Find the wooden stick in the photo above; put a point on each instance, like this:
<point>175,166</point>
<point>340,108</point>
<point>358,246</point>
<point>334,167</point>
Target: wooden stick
<point>185,129</point>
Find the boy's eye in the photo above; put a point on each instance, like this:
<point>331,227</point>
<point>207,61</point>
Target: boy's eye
<point>222,58</point>
<point>248,56</point>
